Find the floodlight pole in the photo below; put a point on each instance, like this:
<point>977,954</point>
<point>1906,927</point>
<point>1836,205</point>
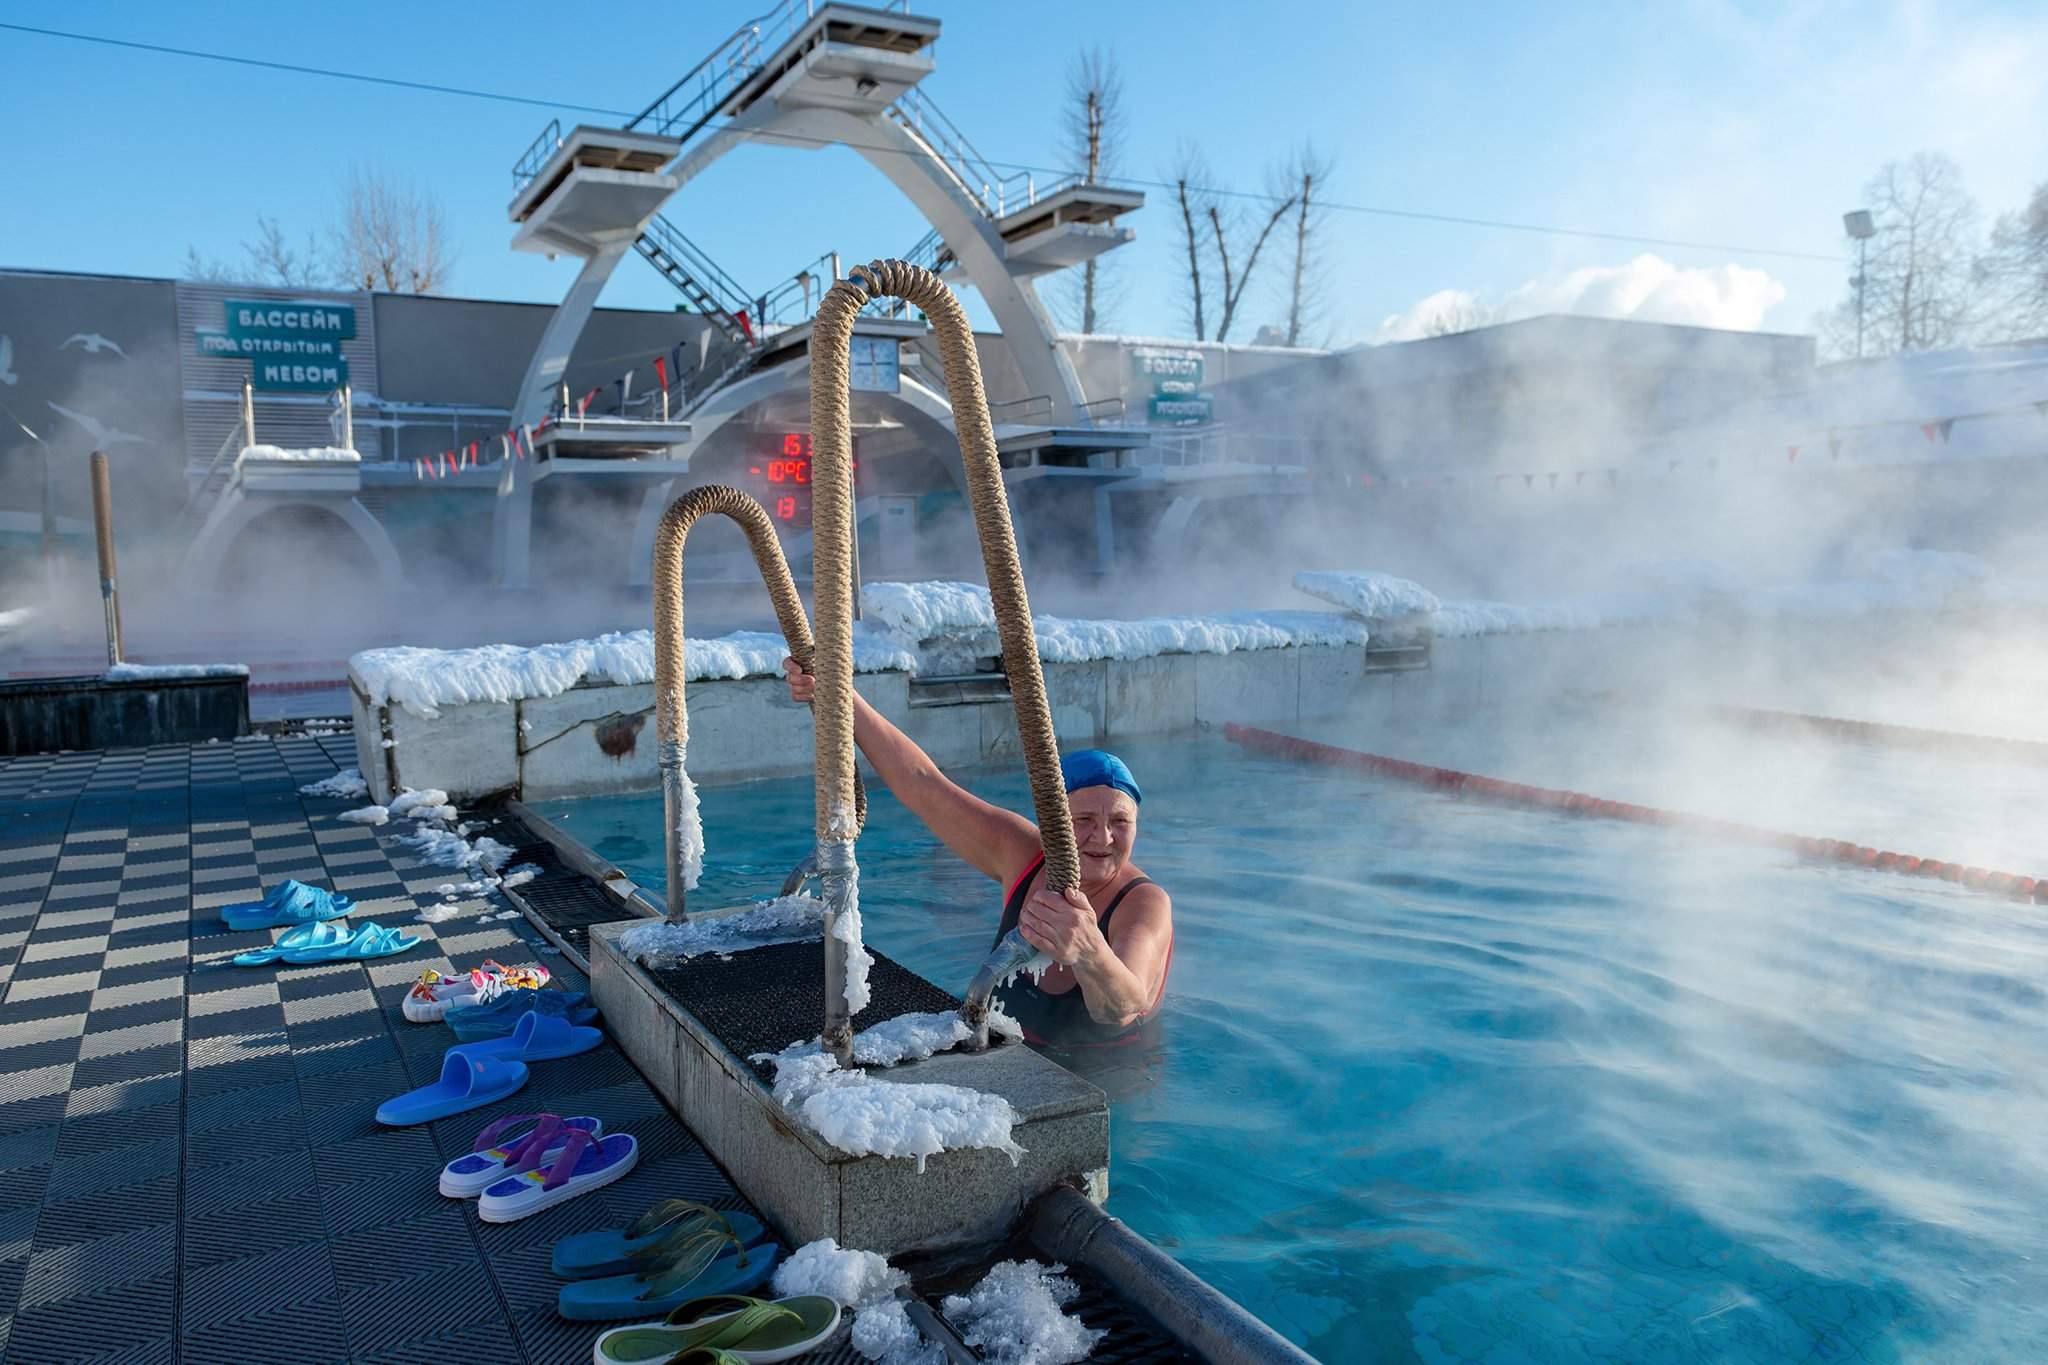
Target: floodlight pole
<point>1862,279</point>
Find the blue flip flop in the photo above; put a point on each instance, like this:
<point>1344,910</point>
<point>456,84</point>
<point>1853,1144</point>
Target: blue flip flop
<point>369,941</point>
<point>536,1037</point>
<point>318,935</point>
<point>731,1271</point>
<point>289,902</point>
<point>648,1240</point>
<point>496,1018</point>
<point>466,1083</point>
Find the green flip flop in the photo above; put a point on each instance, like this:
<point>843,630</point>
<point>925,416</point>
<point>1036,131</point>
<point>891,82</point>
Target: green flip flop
<point>724,1329</point>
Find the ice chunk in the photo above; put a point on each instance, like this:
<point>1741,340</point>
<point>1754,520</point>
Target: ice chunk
<point>1015,1316</point>
<point>852,1279</point>
<point>785,919</point>
<point>365,815</point>
<point>925,611</point>
<point>347,785</point>
<point>858,1114</point>
<point>885,1334</point>
<point>147,672</point>
<point>1372,595</point>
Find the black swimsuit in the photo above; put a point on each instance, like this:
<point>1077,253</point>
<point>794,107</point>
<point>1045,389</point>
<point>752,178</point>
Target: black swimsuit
<point>1061,1020</point>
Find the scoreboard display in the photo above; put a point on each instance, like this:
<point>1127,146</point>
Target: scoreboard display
<point>780,476</point>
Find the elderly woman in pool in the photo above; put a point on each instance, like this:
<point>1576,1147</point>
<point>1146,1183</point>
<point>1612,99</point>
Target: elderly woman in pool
<point>1111,940</point>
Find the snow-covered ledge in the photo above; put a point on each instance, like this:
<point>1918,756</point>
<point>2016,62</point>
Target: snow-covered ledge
<point>576,718</point>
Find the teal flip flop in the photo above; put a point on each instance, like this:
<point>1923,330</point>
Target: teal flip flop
<point>314,937</point>
<point>369,941</point>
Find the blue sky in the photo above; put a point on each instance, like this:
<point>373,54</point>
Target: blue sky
<point>1748,125</point>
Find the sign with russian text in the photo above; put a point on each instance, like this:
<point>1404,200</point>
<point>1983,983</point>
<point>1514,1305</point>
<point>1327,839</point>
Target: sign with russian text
<point>1168,373</point>
<point>1179,412</point>
<point>270,318</point>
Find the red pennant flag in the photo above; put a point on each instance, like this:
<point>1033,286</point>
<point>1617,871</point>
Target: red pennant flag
<point>1928,430</point>
<point>1945,426</point>
<point>661,370</point>
<point>1791,454</point>
<point>1365,480</point>
<point>527,448</point>
<point>472,453</point>
<point>448,461</point>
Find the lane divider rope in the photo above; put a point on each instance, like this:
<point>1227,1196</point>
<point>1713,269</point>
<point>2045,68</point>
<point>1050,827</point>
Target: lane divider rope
<point>1954,742</point>
<point>2005,884</point>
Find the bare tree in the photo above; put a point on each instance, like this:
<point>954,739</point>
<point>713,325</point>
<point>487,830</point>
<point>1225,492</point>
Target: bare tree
<point>276,263</point>
<point>206,269</point>
<point>1190,176</point>
<point>389,235</point>
<point>2016,270</point>
<point>1306,177</point>
<point>1093,135</point>
<point>1234,282</point>
<point>1456,315</point>
<point>1918,292</point>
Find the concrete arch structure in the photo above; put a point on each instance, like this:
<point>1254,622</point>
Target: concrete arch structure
<point>915,398</point>
<point>237,511</point>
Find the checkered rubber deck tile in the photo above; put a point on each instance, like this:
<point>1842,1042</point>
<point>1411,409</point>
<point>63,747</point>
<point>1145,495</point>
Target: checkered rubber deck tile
<point>189,1166</point>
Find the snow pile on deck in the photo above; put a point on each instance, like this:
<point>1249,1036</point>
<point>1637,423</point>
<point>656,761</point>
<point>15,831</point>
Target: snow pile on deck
<point>1374,596</point>
<point>1065,641</point>
<point>851,1279</point>
<point>315,454</point>
<point>785,919</point>
<point>1015,1316</point>
<point>346,785</point>
<point>153,672</point>
<point>867,1117</point>
<point>926,611</point>
<point>424,680</point>
<point>919,614</point>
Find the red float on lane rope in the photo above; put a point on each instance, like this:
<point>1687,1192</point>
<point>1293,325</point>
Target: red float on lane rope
<point>1517,793</point>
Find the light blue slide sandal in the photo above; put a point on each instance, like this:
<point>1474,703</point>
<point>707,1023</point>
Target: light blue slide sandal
<point>536,1037</point>
<point>368,941</point>
<point>317,935</point>
<point>289,902</point>
<point>466,1083</point>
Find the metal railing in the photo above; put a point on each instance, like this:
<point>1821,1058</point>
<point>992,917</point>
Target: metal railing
<point>978,178</point>
<point>1038,407</point>
<point>1104,412</point>
<point>536,155</point>
<point>721,290</point>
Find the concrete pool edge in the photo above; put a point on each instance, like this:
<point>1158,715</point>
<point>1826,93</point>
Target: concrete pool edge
<point>1062,1220</point>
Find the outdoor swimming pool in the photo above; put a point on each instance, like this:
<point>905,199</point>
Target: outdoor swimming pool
<point>1446,1081</point>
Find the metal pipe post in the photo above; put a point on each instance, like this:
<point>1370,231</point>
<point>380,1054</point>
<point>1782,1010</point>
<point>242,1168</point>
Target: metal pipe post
<point>103,532</point>
<point>248,413</point>
<point>348,417</point>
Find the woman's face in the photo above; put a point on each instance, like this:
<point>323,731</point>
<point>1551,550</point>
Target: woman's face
<point>1105,828</point>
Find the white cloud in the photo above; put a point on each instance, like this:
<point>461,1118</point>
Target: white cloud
<point>1646,289</point>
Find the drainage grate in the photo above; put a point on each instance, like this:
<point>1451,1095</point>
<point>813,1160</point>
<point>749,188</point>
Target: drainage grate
<point>766,998</point>
<point>1134,1339</point>
<point>565,901</point>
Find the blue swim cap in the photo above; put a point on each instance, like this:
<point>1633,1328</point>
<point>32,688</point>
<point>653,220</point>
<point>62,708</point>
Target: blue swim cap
<point>1099,768</point>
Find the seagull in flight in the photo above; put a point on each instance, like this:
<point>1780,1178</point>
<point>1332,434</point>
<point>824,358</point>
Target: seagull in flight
<point>94,343</point>
<point>7,374</point>
<point>103,435</point>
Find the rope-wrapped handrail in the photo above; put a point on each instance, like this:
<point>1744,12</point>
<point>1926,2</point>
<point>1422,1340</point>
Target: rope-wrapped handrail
<point>672,716</point>
<point>832,518</point>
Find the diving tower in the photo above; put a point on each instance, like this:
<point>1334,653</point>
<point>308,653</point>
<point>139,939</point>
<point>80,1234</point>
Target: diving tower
<point>810,75</point>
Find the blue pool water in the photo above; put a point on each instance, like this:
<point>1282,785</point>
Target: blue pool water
<point>1441,1081</point>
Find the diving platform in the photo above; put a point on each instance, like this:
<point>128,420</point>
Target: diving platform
<point>612,445</point>
<point>851,58</point>
<point>589,186</point>
<point>1072,225</point>
<point>1040,451</point>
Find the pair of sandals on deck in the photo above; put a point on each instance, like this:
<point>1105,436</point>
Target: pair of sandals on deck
<point>305,914</point>
<point>480,1073</point>
<point>694,1264</point>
